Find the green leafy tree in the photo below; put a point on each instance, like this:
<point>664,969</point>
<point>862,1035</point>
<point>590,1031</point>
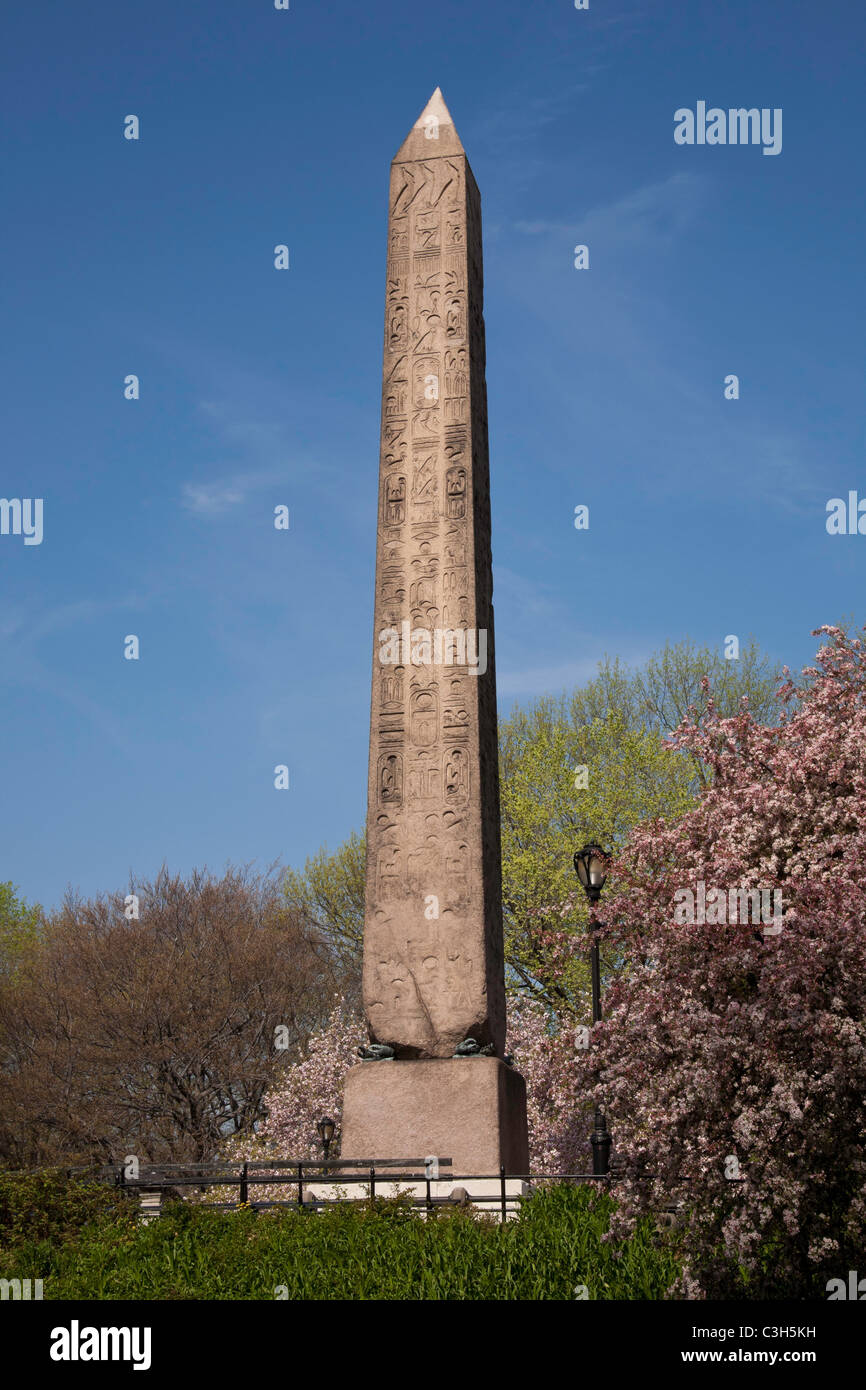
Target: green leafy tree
<point>565,782</point>
<point>669,685</point>
<point>591,765</point>
<point>328,893</point>
<point>19,929</point>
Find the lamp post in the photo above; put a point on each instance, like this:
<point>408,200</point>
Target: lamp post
<point>326,1129</point>
<point>591,866</point>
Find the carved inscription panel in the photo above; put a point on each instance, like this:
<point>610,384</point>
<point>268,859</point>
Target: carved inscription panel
<point>431,958</point>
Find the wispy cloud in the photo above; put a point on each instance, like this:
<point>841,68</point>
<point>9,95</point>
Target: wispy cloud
<point>258,441</point>
<point>657,214</point>
<point>552,678</point>
<point>624,321</point>
<point>545,680</point>
<point>212,499</point>
<point>217,496</point>
<point>523,118</point>
<point>526,599</point>
<point>239,420</point>
<point>21,666</point>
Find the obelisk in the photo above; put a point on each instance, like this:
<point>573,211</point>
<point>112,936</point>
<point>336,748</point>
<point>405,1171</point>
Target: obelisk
<point>434,987</point>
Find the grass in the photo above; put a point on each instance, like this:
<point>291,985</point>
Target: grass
<point>93,1247</point>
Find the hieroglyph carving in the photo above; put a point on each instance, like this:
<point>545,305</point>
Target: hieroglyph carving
<point>430,981</point>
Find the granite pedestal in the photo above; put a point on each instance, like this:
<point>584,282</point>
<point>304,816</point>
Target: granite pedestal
<point>469,1109</point>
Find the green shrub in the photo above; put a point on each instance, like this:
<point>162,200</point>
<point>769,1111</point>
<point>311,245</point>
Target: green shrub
<point>50,1206</point>
<point>358,1252</point>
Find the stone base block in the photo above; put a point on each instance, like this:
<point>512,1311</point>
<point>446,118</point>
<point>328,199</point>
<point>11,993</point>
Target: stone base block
<point>469,1109</point>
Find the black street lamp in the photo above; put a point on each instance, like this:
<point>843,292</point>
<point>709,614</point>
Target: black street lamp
<point>591,866</point>
<point>326,1129</point>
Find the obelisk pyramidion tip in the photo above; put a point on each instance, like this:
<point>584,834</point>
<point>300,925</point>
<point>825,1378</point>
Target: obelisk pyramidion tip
<point>435,110</point>
<point>434,132</point>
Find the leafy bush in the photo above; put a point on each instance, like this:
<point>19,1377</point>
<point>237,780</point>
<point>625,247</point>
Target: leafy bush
<point>51,1206</point>
<point>360,1252</point>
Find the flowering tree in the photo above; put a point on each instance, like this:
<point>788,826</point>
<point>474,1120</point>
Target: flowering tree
<point>559,1119</point>
<point>304,1093</point>
<point>731,1061</point>
<point>307,1090</point>
<point>731,1049</point>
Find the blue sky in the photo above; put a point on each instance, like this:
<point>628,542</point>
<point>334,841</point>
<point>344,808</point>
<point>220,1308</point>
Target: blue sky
<point>261,387</point>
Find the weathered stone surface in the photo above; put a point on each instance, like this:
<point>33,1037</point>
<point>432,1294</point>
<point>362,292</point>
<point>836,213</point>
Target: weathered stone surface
<point>469,1109</point>
<point>433,954</point>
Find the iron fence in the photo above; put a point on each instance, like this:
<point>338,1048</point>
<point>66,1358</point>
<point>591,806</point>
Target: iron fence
<point>300,1174</point>
<point>371,1174</point>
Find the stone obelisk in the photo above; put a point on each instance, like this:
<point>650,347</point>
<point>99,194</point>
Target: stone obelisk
<point>433,951</point>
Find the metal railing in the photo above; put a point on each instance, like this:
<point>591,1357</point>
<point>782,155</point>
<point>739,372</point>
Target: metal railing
<point>158,1179</point>
<point>301,1174</point>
